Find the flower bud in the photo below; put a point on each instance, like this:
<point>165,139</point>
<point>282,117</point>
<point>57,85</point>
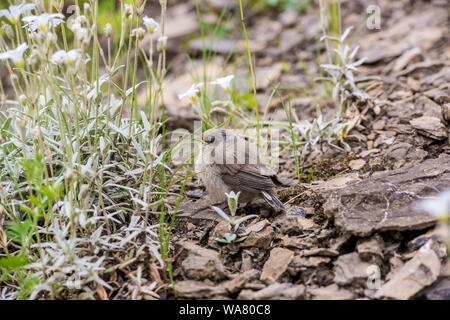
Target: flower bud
<point>128,11</point>
<point>87,7</point>
<point>138,33</point>
<point>8,30</point>
<point>108,30</point>
<point>162,43</point>
<point>23,99</point>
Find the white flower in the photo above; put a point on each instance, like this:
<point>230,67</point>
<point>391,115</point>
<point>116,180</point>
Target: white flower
<point>16,55</point>
<point>128,10</point>
<point>191,93</point>
<point>14,12</point>
<point>69,57</point>
<point>224,82</point>
<point>438,206</point>
<point>108,30</point>
<point>41,22</point>
<point>199,85</point>
<point>151,25</point>
<point>162,43</point>
<point>82,35</point>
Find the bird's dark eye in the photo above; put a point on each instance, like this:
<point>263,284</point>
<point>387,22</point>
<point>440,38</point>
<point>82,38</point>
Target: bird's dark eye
<point>209,140</point>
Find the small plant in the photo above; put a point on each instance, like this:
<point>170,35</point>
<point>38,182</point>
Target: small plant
<point>80,181</point>
<point>234,223</point>
<point>346,88</point>
<point>332,132</point>
<point>347,91</point>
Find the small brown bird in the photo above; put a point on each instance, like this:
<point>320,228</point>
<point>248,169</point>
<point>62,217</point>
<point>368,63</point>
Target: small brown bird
<point>231,163</point>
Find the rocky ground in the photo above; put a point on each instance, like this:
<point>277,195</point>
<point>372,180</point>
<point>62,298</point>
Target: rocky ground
<point>352,231</point>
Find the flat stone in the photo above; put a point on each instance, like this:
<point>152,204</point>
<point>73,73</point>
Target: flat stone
<point>357,164</point>
<point>368,152</point>
<point>323,252</point>
<point>256,227</point>
<point>398,151</point>
<point>446,112</point>
<point>294,224</point>
<point>370,249</point>
<point>261,239</point>
<point>379,125</point>
<point>383,202</point>
<point>445,270</point>
<point>183,21</point>
<point>224,46</point>
<point>277,264</point>
<point>420,30</point>
<point>297,242</point>
<point>439,95</point>
<point>288,18</point>
<point>267,75</point>
<point>416,274</point>
<point>439,291</point>
<point>191,289</point>
<point>276,291</point>
<point>300,263</point>
<point>431,127</point>
<point>289,38</point>
<point>240,280</point>
<point>406,58</point>
<point>429,107</point>
<point>202,263</point>
<point>331,292</point>
<point>350,269</point>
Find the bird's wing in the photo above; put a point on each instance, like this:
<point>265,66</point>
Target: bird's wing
<point>245,177</point>
<point>252,175</point>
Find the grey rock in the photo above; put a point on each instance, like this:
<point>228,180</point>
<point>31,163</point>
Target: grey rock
<point>277,264</point>
<point>350,269</point>
<point>202,263</point>
<point>331,292</point>
<point>299,263</point>
<point>357,164</point>
<point>371,249</point>
<point>191,289</point>
<point>384,202</point>
<point>240,280</point>
<point>431,127</point>
<point>294,224</point>
<point>416,274</point>
<point>261,239</point>
<point>439,290</point>
<point>276,291</point>
<point>446,112</point>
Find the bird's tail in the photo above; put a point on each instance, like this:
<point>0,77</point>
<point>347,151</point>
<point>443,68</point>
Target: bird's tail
<point>273,201</point>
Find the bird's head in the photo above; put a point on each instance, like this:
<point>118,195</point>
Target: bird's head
<point>216,136</point>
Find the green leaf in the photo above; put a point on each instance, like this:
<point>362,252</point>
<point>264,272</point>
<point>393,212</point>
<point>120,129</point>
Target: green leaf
<point>13,262</point>
<point>19,231</point>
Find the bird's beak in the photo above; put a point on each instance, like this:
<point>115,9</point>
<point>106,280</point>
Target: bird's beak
<point>204,142</point>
